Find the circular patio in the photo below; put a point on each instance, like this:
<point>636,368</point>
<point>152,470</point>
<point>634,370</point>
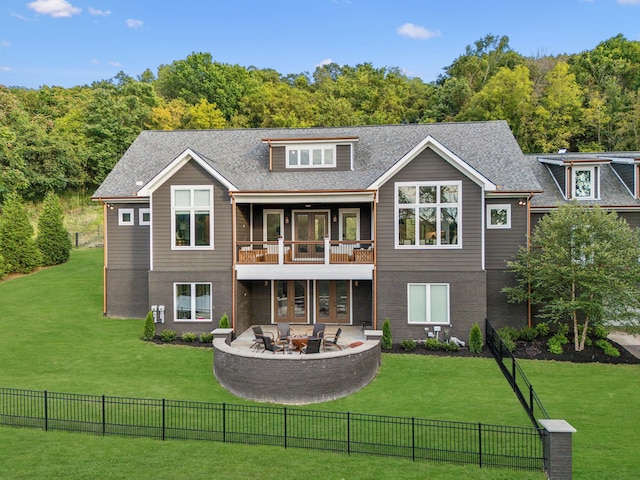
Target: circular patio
<point>293,378</point>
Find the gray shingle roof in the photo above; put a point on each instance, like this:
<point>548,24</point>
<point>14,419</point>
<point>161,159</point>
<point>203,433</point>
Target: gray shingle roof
<point>242,157</point>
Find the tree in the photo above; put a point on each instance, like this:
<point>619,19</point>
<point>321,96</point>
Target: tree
<point>16,237</point>
<point>582,269</point>
<point>52,239</point>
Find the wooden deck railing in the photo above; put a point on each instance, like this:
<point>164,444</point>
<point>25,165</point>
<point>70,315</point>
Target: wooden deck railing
<point>312,252</point>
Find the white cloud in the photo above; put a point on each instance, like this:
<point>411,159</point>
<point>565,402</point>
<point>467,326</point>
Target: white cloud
<point>114,64</point>
<point>629,2</point>
<point>416,31</point>
<point>4,68</point>
<point>93,61</point>
<point>324,62</point>
<point>4,43</point>
<point>101,13</point>
<point>55,8</point>
<point>131,23</point>
<point>18,16</point>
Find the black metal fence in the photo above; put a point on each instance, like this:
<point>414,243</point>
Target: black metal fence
<point>515,376</point>
<point>415,438</point>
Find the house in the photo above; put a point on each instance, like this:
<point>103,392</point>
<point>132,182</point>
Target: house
<point>348,226</point>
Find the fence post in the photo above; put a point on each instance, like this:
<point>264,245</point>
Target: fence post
<point>557,449</point>
<point>46,411</point>
<point>104,420</point>
<point>285,427</point>
<point>480,445</point>
<point>224,422</point>
<point>413,438</point>
<point>531,398</point>
<point>349,433</point>
<point>163,419</point>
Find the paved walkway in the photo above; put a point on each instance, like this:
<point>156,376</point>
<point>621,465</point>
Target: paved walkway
<point>629,341</point>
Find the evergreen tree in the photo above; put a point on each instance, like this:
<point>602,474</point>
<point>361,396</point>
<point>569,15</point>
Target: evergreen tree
<point>16,237</point>
<point>52,240</point>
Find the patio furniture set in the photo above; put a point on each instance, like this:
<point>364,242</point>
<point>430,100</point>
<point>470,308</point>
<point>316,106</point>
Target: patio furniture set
<point>288,342</point>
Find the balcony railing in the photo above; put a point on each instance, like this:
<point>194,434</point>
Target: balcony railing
<point>329,252</point>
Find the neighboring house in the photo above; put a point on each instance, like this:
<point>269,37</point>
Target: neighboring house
<point>346,226</point>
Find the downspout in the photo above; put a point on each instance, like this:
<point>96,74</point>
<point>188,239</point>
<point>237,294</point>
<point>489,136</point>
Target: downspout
<point>233,261</point>
<point>375,263</point>
<point>104,257</point>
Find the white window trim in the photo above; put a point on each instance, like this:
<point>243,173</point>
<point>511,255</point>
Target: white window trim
<point>122,212</point>
<point>506,207</point>
<point>193,302</point>
<point>312,146</point>
<point>595,174</point>
<point>191,209</point>
<point>428,303</point>
<point>397,206</point>
<point>343,211</point>
<point>141,213</point>
<point>264,221</point>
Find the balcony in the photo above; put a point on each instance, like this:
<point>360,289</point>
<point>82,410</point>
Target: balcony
<point>328,259</point>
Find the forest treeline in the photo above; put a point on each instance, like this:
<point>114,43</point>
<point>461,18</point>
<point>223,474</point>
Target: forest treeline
<point>68,139</point>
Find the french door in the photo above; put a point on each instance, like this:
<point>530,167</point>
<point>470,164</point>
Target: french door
<point>333,299</point>
<point>310,227</point>
<point>290,301</point>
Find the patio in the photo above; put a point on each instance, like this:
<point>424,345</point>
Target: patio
<point>291,377</point>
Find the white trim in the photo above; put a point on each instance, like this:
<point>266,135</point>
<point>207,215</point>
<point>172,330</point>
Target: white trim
<point>496,206</point>
<point>311,147</point>
<point>191,209</point>
<point>341,212</point>
<point>141,214</point>
<point>594,181</point>
<point>193,302</point>
<point>427,287</point>
<point>356,196</point>
<point>175,165</point>
<point>438,206</point>
<point>126,211</point>
<point>441,150</point>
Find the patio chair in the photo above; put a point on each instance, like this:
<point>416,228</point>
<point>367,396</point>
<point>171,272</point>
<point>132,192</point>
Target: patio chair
<point>313,346</point>
<point>258,333</point>
<point>284,332</point>
<point>270,346</point>
<point>318,331</point>
<point>331,340</point>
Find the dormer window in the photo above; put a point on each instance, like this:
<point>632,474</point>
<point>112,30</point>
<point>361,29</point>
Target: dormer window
<point>584,183</point>
<point>311,156</point>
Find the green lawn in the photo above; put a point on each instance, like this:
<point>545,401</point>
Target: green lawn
<point>53,337</point>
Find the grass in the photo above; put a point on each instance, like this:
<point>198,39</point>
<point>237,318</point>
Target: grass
<point>53,337</point>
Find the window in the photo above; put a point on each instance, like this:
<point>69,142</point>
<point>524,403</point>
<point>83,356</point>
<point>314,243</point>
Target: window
<point>498,216</point>
<point>585,183</point>
<point>428,214</point>
<point>144,216</point>
<point>125,216</point>
<point>192,217</point>
<point>193,302</point>
<point>311,156</point>
<point>428,303</point>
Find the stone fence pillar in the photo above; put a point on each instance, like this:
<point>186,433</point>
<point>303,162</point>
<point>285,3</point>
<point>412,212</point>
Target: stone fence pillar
<point>558,464</point>
<point>226,333</point>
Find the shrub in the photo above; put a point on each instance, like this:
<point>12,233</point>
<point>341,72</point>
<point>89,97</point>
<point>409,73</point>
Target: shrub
<point>432,344</point>
<point>508,343</point>
<point>450,347</point>
<point>508,332</point>
<point>528,334</point>
<point>53,240</point>
<point>206,338</point>
<point>600,332</point>
<point>189,337</point>
<point>476,341</point>
<point>555,343</point>
<point>3,268</point>
<point>609,350</point>
<point>543,329</point>
<point>562,329</point>
<point>149,327</point>
<point>168,335</point>
<point>16,237</point>
<point>408,345</point>
<point>224,321</point>
<point>386,335</point>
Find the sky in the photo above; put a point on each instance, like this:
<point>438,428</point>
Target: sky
<point>76,42</point>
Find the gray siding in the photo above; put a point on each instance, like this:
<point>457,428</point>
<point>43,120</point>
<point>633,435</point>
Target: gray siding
<point>560,174</point>
<point>501,244</point>
<point>430,167</point>
<point>165,259</point>
<point>127,264</point>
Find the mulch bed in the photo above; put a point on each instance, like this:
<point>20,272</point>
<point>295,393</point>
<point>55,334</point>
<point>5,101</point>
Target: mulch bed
<point>535,350</point>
